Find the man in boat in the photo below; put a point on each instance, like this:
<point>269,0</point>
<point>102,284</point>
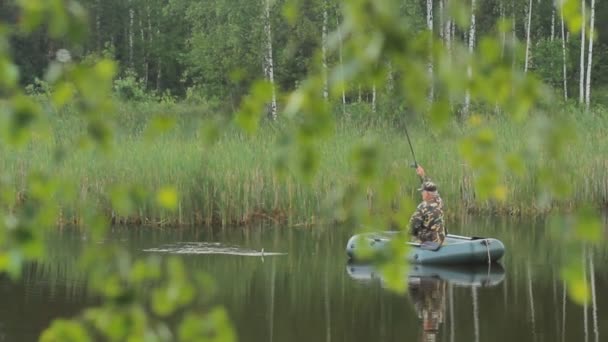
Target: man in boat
<point>426,224</point>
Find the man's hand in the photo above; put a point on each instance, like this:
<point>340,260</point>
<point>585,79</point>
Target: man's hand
<point>420,171</point>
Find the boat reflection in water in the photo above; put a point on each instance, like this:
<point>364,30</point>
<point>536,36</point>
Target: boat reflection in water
<point>429,285</point>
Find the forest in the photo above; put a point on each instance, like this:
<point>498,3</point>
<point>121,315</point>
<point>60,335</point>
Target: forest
<point>170,48</point>
<point>150,146</point>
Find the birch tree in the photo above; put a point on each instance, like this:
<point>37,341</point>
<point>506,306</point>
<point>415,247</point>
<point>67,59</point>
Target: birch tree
<point>528,36</point>
<point>269,62</point>
<point>98,24</point>
<point>374,98</point>
<point>503,35</point>
<point>589,57</point>
<point>467,99</point>
<point>564,57</point>
<point>581,88</point>
<point>341,65</point>
<point>441,19</point>
<point>429,23</point>
<point>131,33</point>
<point>448,31</point>
<point>324,50</point>
<point>552,20</point>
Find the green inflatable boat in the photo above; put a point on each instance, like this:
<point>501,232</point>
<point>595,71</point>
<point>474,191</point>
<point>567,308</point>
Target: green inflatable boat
<point>456,249</point>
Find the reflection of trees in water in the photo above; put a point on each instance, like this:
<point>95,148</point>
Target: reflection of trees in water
<point>44,291</point>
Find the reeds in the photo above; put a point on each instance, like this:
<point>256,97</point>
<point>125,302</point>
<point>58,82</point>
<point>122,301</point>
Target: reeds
<point>233,182</point>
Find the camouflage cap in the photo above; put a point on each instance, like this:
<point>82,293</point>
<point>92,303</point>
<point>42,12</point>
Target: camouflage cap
<point>428,186</point>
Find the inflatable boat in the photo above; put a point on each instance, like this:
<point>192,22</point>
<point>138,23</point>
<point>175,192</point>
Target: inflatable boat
<point>455,250</point>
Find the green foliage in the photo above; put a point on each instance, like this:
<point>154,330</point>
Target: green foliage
<point>547,62</point>
<point>129,88</point>
<point>143,299</point>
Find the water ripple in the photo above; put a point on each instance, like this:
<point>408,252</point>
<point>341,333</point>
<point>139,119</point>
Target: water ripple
<point>209,248</point>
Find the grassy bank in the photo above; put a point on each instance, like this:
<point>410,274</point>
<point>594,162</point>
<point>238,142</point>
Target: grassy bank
<point>233,181</point>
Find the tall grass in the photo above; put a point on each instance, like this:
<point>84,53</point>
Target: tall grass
<point>233,181</point>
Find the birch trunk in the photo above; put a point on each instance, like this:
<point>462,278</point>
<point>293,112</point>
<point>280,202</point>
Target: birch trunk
<point>374,98</point>
<point>441,19</point>
<point>144,48</point>
<point>581,88</point>
<point>503,35</point>
<point>131,33</point>
<point>341,66</point>
<point>513,36</point>
<point>448,32</point>
<point>390,78</point>
<point>269,65</point>
<point>324,51</point>
<point>429,23</point>
<point>564,58</point>
<point>159,71</point>
<point>147,66</point>
<point>98,24</point>
<point>467,99</point>
<point>589,57</point>
<point>552,21</point>
<point>528,37</point>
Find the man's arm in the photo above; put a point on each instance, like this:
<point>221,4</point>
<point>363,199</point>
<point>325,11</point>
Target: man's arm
<point>422,174</point>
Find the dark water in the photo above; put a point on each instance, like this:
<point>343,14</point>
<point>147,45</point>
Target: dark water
<point>311,294</point>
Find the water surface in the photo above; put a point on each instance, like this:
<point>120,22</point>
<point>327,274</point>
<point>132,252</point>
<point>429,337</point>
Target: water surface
<point>286,284</point>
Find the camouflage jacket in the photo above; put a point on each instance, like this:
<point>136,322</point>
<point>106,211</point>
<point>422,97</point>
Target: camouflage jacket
<point>426,223</point>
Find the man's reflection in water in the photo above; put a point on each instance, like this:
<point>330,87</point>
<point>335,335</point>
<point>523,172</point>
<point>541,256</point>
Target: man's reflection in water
<point>429,297</point>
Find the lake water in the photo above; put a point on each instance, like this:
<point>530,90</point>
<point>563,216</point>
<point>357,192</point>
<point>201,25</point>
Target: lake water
<point>301,288</point>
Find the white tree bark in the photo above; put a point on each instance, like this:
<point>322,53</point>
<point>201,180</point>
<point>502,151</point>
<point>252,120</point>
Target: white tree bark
<point>324,51</point>
<point>429,23</point>
<point>159,71</point>
<point>528,37</point>
<point>589,58</point>
<point>144,48</point>
<point>552,20</point>
<point>374,98</point>
<point>581,89</point>
<point>98,24</point>
<point>564,57</point>
<point>513,37</point>
<point>341,66</point>
<point>390,78</point>
<point>131,33</point>
<point>503,35</point>
<point>441,19</point>
<point>149,32</point>
<point>269,62</point>
<point>448,32</point>
<point>467,99</point>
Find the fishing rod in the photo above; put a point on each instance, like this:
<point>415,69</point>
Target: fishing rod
<point>415,165</point>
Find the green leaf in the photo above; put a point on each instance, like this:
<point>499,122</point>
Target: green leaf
<point>588,226</point>
<point>159,125</point>
<point>65,331</point>
<point>167,198</point>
